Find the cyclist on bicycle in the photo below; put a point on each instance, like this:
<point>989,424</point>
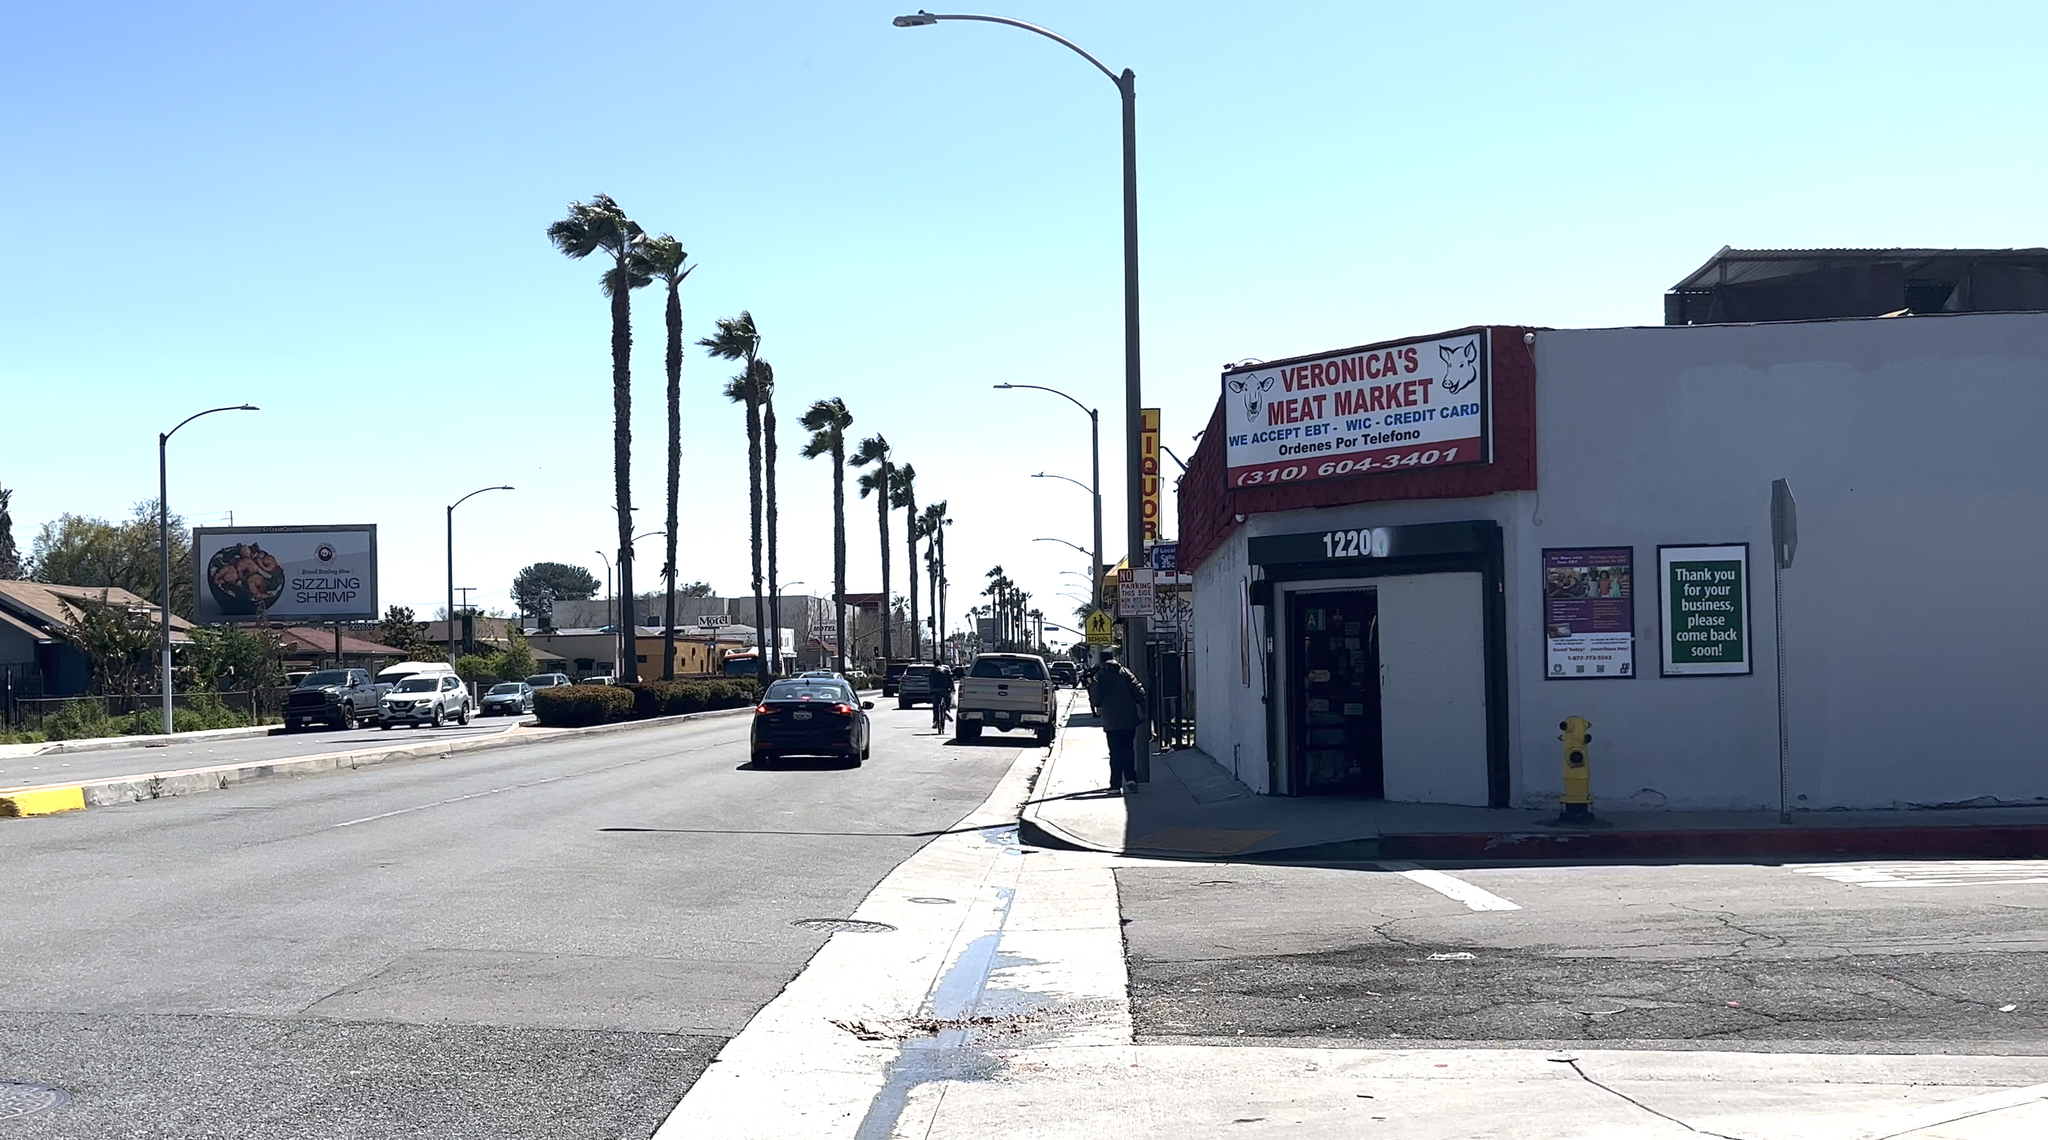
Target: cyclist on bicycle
<point>942,697</point>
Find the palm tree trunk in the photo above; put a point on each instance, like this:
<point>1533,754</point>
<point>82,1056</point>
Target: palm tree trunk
<point>931,569</point>
<point>839,550</point>
<point>888,610</point>
<point>675,473</point>
<point>940,611</point>
<point>774,590</point>
<point>622,463</point>
<point>754,505</point>
<point>910,502</point>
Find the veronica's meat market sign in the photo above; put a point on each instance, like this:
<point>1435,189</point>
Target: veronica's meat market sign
<point>1362,411</point>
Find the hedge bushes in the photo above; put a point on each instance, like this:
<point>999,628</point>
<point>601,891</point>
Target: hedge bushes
<point>574,705</point>
<point>569,705</point>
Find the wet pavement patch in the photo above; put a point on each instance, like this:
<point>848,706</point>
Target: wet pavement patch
<point>23,1100</point>
<point>844,925</point>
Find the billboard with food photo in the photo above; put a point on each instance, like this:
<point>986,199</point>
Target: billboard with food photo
<point>285,573</point>
<point>1362,411</point>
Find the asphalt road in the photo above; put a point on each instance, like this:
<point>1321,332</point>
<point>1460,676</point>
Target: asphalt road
<point>23,771</point>
<point>1934,957</point>
<point>546,941</point>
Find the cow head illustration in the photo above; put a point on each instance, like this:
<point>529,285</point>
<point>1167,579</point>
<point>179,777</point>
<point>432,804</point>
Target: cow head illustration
<point>1252,393</point>
<point>1461,365</point>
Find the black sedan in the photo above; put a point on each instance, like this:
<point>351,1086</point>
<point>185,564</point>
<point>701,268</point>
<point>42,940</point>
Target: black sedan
<point>508,698</point>
<point>811,716</point>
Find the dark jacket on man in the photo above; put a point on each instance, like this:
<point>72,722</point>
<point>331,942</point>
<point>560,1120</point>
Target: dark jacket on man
<point>1119,698</point>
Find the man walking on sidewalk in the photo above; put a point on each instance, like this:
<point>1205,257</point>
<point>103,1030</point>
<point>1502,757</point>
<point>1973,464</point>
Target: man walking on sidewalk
<point>1120,701</point>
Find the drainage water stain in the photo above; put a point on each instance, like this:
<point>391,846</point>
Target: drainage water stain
<point>18,1100</point>
<point>844,925</point>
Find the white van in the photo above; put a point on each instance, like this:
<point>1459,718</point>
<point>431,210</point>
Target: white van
<point>399,672</point>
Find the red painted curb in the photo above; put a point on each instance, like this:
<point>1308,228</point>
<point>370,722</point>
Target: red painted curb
<point>1989,842</point>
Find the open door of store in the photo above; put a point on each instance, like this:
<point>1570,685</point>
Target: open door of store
<point>1334,715</point>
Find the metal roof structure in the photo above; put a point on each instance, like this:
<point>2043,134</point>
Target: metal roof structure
<point>1743,285</point>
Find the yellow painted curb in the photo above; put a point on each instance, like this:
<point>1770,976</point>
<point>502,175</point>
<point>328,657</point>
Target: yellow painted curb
<point>47,801</point>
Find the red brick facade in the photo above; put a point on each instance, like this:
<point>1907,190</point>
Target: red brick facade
<point>1208,511</point>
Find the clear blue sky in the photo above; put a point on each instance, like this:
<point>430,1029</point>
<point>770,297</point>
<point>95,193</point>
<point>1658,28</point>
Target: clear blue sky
<point>337,213</point>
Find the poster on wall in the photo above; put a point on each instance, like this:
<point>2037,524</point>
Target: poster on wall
<point>1589,613</point>
<point>1706,609</point>
<point>285,573</point>
<point>1362,411</point>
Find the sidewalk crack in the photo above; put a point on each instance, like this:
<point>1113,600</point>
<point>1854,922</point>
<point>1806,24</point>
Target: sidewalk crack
<point>1584,1076</point>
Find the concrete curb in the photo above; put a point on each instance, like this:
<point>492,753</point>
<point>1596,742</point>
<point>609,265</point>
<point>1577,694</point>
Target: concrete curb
<point>150,786</point>
<point>1786,843</point>
<point>153,740</point>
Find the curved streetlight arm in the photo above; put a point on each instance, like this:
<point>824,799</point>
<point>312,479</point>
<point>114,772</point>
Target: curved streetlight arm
<point>1054,391</point>
<point>474,494</point>
<point>166,437</point>
<point>1068,478</point>
<point>923,17</point>
<point>1064,542</point>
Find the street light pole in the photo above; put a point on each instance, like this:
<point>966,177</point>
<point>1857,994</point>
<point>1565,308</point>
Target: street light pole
<point>1134,473</point>
<point>163,523</point>
<point>608,603</point>
<point>451,565</point>
<point>1094,489</point>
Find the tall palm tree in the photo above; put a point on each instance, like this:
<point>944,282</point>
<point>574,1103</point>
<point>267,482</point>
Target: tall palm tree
<point>934,523</point>
<point>903,493</point>
<point>601,226</point>
<point>827,421</point>
<point>737,339</point>
<point>664,257</point>
<point>875,450</point>
<point>764,388</point>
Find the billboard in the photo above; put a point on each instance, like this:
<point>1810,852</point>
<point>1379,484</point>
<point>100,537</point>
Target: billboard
<point>1362,411</point>
<point>285,573</point>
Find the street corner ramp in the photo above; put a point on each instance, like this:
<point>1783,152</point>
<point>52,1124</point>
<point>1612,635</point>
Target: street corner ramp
<point>41,801</point>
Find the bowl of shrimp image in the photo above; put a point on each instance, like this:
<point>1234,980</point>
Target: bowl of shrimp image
<point>244,578</point>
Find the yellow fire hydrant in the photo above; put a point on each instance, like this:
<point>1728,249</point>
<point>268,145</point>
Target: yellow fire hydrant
<point>1578,770</point>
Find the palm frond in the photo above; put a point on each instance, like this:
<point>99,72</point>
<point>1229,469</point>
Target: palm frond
<point>873,449</point>
<point>902,485</point>
<point>736,337</point>
<point>663,257</point>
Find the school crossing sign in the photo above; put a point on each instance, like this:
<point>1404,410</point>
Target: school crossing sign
<point>1363,411</point>
<point>1098,629</point>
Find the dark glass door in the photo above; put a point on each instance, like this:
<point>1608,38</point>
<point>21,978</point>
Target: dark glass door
<point>1334,693</point>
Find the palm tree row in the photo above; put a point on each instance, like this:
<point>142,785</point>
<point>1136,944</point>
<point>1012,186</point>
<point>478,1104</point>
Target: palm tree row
<point>638,259</point>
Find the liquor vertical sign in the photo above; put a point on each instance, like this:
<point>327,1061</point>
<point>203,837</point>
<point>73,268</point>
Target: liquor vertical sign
<point>1589,613</point>
<point>1706,609</point>
<point>1148,455</point>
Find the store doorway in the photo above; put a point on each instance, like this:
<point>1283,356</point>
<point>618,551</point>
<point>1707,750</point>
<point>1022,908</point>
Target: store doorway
<point>1334,667</point>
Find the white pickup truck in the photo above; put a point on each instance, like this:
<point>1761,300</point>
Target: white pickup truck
<point>1005,691</point>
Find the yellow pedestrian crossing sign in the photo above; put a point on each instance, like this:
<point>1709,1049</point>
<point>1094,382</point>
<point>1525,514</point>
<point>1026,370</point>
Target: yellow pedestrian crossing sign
<point>1099,628</point>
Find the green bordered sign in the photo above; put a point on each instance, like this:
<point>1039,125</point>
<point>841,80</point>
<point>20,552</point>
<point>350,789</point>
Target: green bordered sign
<point>1706,610</point>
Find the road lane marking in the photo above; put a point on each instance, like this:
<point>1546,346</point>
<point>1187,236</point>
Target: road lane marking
<point>1946,873</point>
<point>1453,887</point>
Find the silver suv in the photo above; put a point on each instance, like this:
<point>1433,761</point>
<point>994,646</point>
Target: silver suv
<point>426,699</point>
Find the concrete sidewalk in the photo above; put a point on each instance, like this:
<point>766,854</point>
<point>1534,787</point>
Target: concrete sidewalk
<point>1195,808</point>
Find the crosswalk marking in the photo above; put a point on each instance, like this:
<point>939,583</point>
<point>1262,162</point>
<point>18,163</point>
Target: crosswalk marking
<point>1940,873</point>
<point>1473,897</point>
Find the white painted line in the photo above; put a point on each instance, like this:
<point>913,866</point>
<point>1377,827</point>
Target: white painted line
<point>1453,887</point>
<point>1936,1115</point>
<point>1950,873</point>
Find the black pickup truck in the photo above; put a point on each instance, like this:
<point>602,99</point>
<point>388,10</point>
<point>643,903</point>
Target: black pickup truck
<point>343,698</point>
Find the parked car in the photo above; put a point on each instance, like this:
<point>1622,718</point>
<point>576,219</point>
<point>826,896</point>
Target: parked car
<point>810,716</point>
<point>427,698</point>
<point>1005,691</point>
<point>507,698</point>
<point>547,680</point>
<point>343,698</point>
<point>391,675</point>
<point>893,673</point>
<point>917,684</point>
<point>1066,674</point>
<point>604,680</point>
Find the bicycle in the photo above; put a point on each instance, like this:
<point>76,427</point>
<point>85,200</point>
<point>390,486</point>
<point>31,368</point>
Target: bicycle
<point>941,706</point>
